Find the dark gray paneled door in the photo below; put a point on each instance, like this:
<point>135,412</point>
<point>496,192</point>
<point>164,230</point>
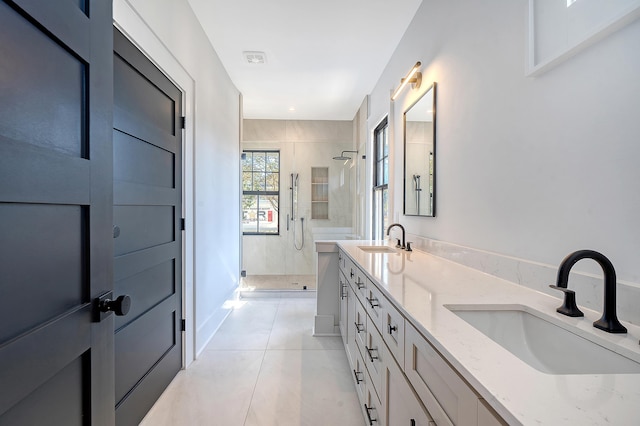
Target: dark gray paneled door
<point>56,243</point>
<point>147,205</point>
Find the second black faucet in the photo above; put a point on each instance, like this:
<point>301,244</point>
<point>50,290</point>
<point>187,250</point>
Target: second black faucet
<point>404,246</point>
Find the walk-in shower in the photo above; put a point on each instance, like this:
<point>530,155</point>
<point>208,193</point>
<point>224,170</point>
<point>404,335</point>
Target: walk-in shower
<point>293,217</point>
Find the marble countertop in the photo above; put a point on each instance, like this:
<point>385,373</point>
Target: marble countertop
<point>421,284</point>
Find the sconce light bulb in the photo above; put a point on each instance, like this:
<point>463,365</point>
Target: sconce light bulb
<point>408,79</point>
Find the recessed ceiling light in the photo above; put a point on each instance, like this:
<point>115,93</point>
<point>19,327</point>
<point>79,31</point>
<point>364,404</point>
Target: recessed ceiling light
<point>255,57</point>
<point>292,108</point>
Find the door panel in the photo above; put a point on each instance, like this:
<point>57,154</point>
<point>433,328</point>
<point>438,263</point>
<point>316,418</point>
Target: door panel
<point>143,227</point>
<point>56,244</point>
<point>31,263</point>
<point>65,407</point>
<point>56,101</point>
<point>148,248</point>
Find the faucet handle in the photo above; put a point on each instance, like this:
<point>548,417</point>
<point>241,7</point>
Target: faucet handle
<point>569,307</point>
<point>408,248</point>
<point>398,245</point>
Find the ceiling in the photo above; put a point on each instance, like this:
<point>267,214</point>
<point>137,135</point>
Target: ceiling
<point>322,56</point>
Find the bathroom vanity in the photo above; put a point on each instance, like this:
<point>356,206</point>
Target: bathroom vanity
<point>431,341</point>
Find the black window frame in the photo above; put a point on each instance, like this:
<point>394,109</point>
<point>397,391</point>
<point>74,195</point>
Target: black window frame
<point>380,175</point>
<point>261,193</point>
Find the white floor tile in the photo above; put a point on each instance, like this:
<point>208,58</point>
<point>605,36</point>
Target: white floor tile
<point>263,367</point>
<point>293,329</point>
<point>215,390</point>
<point>247,328</point>
<point>304,388</point>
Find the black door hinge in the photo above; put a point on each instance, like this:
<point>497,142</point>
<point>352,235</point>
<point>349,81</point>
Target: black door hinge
<point>183,224</point>
<point>183,122</point>
<point>183,325</point>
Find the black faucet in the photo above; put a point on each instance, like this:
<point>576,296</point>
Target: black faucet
<point>609,320</point>
<point>402,228</point>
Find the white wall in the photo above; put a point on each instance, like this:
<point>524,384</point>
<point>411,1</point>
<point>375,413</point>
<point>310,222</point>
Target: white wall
<point>533,168</point>
<point>214,107</point>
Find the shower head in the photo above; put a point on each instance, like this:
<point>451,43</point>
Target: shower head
<point>343,157</point>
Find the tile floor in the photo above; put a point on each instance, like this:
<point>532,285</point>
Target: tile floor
<point>263,367</point>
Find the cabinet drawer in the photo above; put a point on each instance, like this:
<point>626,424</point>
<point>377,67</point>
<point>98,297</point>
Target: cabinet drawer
<point>401,403</point>
<point>343,288</point>
<point>342,261</point>
<point>360,326</point>
<point>374,355</point>
<point>375,303</point>
<point>374,414</point>
<point>393,332</point>
<point>359,283</point>
<point>351,347</point>
<point>360,375</point>
<point>447,397</point>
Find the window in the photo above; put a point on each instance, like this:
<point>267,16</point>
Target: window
<point>381,180</point>
<point>260,192</point>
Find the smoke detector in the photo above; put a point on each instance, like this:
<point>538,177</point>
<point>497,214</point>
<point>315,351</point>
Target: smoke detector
<point>255,58</point>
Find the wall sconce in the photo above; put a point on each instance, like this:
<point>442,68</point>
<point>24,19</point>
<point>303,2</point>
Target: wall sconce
<point>414,77</point>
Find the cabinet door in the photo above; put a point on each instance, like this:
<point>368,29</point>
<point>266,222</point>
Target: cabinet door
<point>393,332</point>
<point>360,326</point>
<point>360,375</point>
<point>375,304</point>
<point>402,406</point>
<point>374,356</point>
<point>445,394</point>
<point>373,409</point>
<point>342,261</point>
<point>344,302</point>
<point>351,346</point>
<point>359,281</point>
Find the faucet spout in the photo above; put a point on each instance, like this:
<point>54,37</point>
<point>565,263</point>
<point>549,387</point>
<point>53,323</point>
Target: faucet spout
<point>609,320</point>
<point>401,228</point>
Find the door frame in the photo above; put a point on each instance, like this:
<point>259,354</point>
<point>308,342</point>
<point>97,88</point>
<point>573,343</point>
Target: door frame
<point>127,20</point>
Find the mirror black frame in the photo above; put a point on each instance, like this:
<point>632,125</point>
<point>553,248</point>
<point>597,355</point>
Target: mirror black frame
<point>431,164</point>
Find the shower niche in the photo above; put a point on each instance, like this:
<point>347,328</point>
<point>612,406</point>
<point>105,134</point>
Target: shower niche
<point>319,193</point>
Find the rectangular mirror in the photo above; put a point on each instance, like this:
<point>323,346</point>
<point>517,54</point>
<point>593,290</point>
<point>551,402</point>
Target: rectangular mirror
<point>420,155</point>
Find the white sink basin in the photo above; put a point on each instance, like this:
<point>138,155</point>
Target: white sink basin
<point>543,345</point>
<point>377,249</point>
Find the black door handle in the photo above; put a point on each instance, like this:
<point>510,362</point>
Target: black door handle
<point>104,304</point>
<point>120,306</point>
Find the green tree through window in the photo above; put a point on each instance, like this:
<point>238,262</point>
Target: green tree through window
<point>260,192</point>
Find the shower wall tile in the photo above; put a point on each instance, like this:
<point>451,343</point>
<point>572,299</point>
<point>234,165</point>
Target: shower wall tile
<point>264,130</point>
<point>318,131</point>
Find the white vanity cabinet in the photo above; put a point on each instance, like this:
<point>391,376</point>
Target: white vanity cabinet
<point>400,377</point>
